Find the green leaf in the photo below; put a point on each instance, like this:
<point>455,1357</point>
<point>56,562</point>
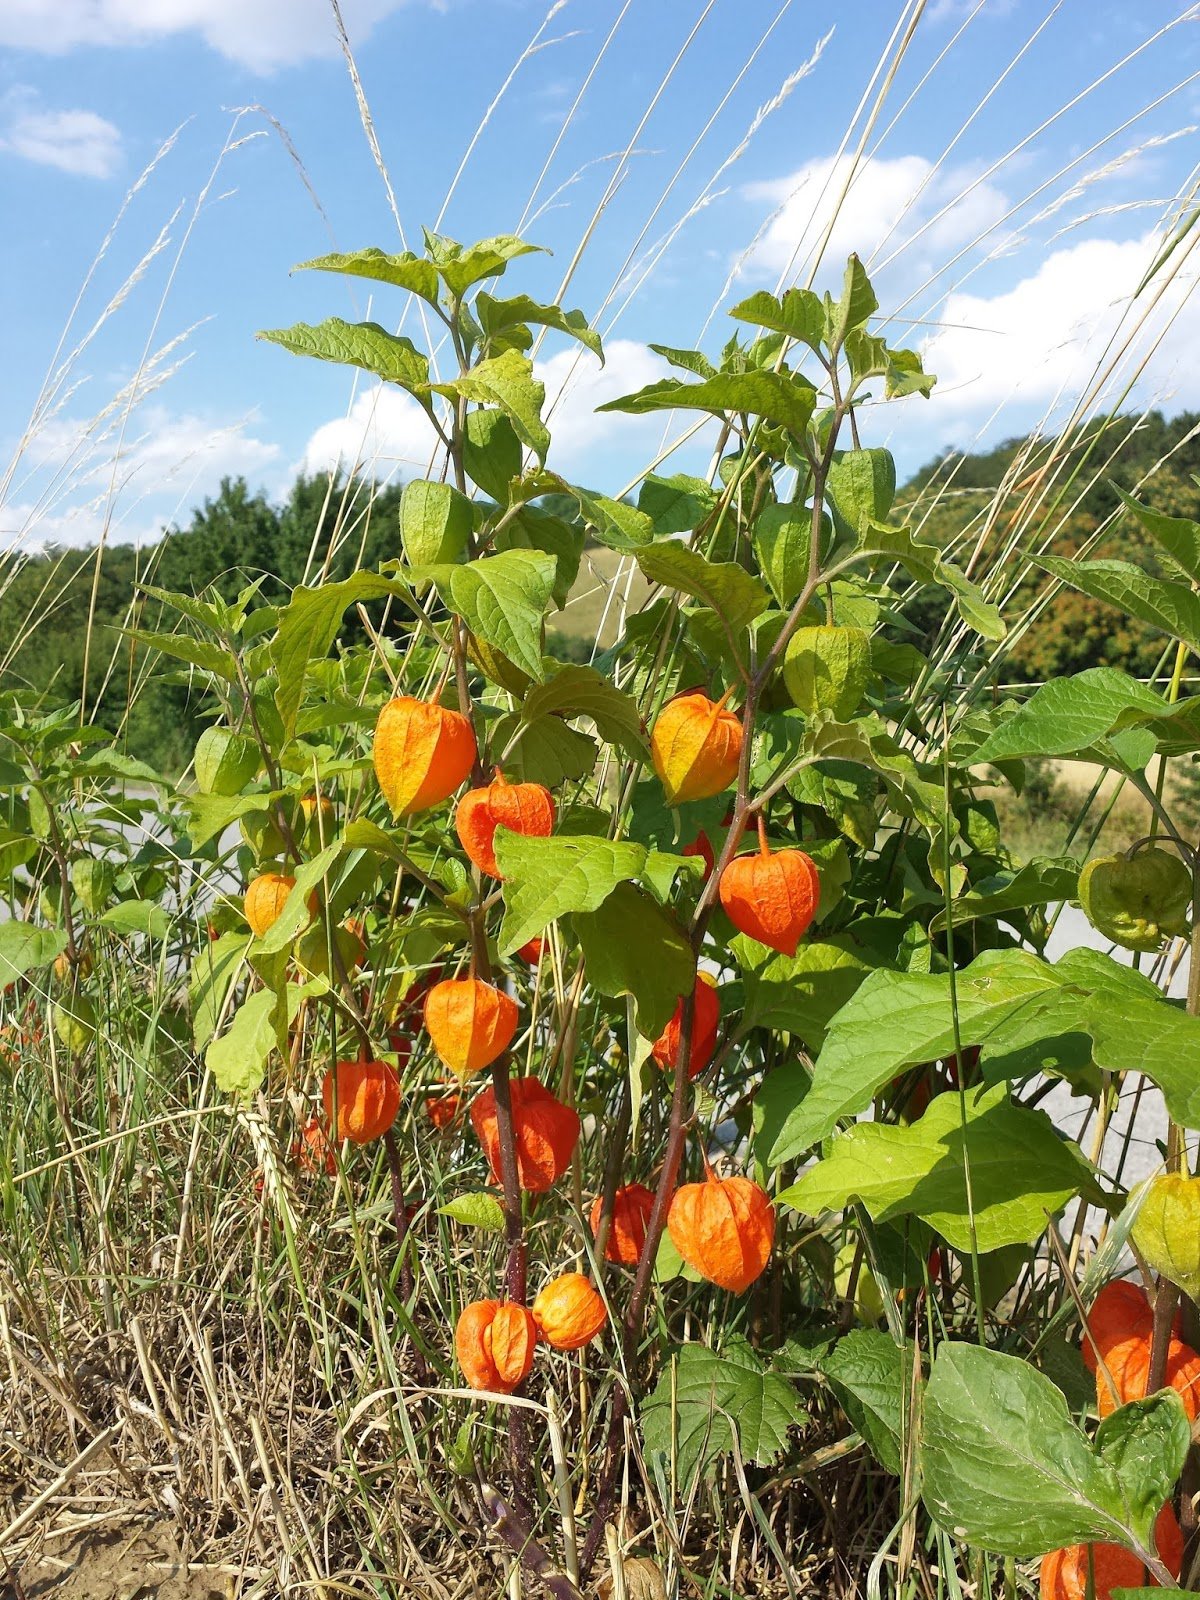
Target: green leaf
<point>544,750</point>
<point>212,973</point>
<point>295,916</point>
<point>1019,1170</point>
<point>800,994</point>
<point>686,360</point>
<point>579,691</point>
<point>308,626</point>
<point>208,815</point>
<point>613,523</point>
<point>533,529</point>
<point>862,487</point>
<point>1153,1037</point>
<point>1068,716</point>
<point>405,271</point>
<point>723,586</point>
<point>496,317</point>
<point>546,878</point>
<point>1173,607</point>
<point>507,381</point>
<point>706,1402</point>
<point>675,505</point>
<point>390,356</point>
<point>460,266</point>
<point>25,948</point>
<point>872,1377</point>
<point>1039,882</point>
<point>1147,1443</point>
<point>856,305</point>
<point>492,452</point>
<point>785,399</point>
<point>632,946</point>
<point>926,563</point>
<point>1179,537</point>
<point>476,1210</point>
<point>197,652</point>
<point>900,1019</point>
<point>238,1059</point>
<point>435,522</point>
<point>799,314</point>
<point>138,916</point>
<point>1004,1466</point>
<point>781,541</point>
<point>503,598</point>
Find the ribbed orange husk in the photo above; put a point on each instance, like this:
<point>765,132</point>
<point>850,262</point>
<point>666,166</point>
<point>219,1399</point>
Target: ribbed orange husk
<point>470,1022</point>
<point>545,1129</point>
<point>696,747</point>
<point>422,752</point>
<point>441,1109</point>
<point>724,1227</point>
<point>1128,1364</point>
<point>568,1312</point>
<point>706,1017</point>
<point>311,1150</point>
<point>495,1341</point>
<point>632,1205</point>
<point>368,1098</point>
<point>525,808</point>
<point>1120,1312</point>
<point>264,899</point>
<point>1064,1573</point>
<point>772,898</point>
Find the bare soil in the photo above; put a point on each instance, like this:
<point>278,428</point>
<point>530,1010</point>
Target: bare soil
<point>139,1562</point>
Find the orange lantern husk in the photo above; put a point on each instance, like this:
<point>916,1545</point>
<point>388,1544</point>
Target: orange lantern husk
<point>545,1130</point>
<point>442,1109</point>
<point>422,752</point>
<point>265,899</point>
<point>311,1151</point>
<point>568,1312</point>
<point>495,1341</point>
<point>471,1023</point>
<point>368,1098</point>
<point>525,808</point>
<point>706,1017</point>
<point>632,1204</point>
<point>1064,1573</point>
<point>696,746</point>
<point>772,896</point>
<point>724,1228</point>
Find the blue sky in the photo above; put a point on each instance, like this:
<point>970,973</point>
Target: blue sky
<point>1009,251</point>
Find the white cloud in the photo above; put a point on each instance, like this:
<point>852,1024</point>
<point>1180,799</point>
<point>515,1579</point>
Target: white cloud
<point>385,433</point>
<point>74,481</point>
<point>888,201</point>
<point>259,34</point>
<point>80,142</point>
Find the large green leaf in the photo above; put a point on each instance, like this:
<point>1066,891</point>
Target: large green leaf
<point>546,878</point>
<point>544,750</point>
<point>390,356</point>
<point>1005,1468</point>
<point>633,946</point>
<point>406,271</point>
<point>503,599</point>
<point>196,652</point>
<point>1067,716</point>
<point>507,381</point>
<point>580,691</point>
<point>612,522</point>
<point>901,1019</point>
<point>296,914</point>
<point>706,1402</point>
<point>785,399</point>
<point>1151,1036</point>
<point>1039,882</point>
<point>872,1376</point>
<point>926,563</point>
<point>212,973</point>
<point>497,317</point>
<point>308,626</point>
<point>1179,537</point>
<point>726,588</point>
<point>1147,1442</point>
<point>800,994</point>
<point>460,266</point>
<point>1163,603</point>
<point>862,486</point>
<point>1018,1166</point>
<point>24,948</point>
<point>799,314</point>
<point>675,505</point>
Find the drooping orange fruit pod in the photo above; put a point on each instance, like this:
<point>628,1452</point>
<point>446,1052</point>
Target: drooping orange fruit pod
<point>724,1227</point>
<point>696,746</point>
<point>546,1133</point>
<point>265,899</point>
<point>495,1341</point>
<point>1064,1573</point>
<point>526,808</point>
<point>568,1312</point>
<point>632,1204</point>
<point>772,896</point>
<point>701,846</point>
<point>1128,1365</point>
<point>706,1017</point>
<point>470,1022</point>
<point>531,952</point>
<point>368,1098</point>
<point>441,1109</point>
<point>1120,1313</point>
<point>422,752</point>
<point>311,1151</point>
